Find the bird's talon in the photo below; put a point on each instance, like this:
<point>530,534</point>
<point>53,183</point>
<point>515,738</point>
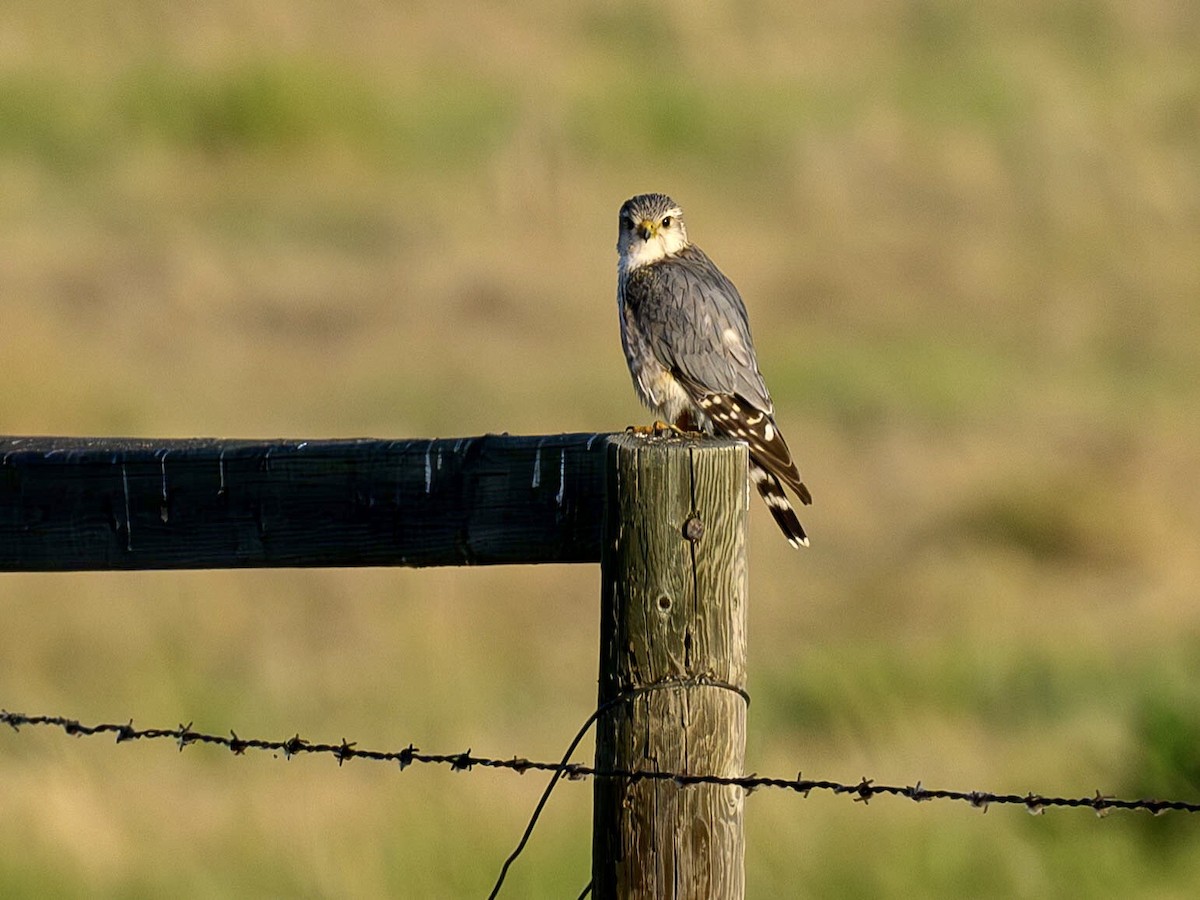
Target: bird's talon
<point>658,429</point>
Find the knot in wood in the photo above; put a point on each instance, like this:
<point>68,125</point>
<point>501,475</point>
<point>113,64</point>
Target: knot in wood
<point>693,529</point>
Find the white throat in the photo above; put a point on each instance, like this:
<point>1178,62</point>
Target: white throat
<point>635,252</point>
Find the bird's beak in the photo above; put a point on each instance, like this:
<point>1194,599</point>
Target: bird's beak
<point>647,229</point>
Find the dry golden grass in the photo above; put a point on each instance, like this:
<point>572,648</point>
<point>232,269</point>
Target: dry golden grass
<point>968,239</point>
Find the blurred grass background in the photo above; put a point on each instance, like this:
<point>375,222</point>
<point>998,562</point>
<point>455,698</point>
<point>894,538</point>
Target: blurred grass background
<point>969,238</point>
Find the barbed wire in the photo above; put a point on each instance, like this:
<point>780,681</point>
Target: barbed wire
<point>862,791</point>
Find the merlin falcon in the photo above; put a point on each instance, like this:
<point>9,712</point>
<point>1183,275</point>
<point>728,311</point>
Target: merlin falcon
<point>687,341</point>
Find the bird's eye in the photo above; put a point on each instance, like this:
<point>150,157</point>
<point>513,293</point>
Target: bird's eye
<point>666,222</point>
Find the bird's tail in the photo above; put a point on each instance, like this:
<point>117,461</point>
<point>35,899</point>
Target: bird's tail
<point>777,502</point>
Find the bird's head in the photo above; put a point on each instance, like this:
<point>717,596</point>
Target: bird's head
<point>651,227</point>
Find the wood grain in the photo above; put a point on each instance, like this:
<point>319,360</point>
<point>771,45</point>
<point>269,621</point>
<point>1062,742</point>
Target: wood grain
<point>673,613</point>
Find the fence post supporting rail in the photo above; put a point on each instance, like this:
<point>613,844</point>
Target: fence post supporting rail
<point>673,645</point>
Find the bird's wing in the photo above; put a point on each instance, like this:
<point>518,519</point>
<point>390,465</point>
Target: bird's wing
<point>694,323</point>
<point>733,416</point>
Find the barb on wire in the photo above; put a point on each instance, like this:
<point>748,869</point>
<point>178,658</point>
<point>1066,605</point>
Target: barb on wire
<point>624,695</point>
<point>862,791</point>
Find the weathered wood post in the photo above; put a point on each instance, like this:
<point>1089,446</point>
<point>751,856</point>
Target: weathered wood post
<point>673,639</point>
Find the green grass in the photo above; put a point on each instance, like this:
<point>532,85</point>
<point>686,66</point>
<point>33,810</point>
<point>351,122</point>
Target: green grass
<point>277,107</point>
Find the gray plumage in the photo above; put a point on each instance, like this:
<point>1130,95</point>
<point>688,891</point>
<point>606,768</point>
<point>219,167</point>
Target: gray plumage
<point>687,341</point>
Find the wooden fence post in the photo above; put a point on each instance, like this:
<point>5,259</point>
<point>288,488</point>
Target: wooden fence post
<point>673,640</point>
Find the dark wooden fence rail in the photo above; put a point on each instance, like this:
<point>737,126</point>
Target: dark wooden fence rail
<point>101,503</point>
<point>664,517</point>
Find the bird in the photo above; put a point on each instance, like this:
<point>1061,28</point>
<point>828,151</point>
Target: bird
<point>687,340</point>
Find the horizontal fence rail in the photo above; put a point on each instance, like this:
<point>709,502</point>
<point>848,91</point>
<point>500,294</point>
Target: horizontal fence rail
<point>111,503</point>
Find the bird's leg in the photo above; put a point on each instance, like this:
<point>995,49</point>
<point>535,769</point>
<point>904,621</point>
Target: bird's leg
<point>687,425</point>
